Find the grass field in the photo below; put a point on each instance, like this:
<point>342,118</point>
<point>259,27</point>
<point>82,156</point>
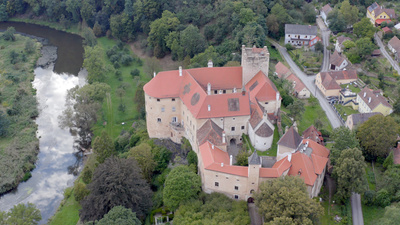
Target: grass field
<point>311,113</point>
<point>345,111</point>
<point>68,212</point>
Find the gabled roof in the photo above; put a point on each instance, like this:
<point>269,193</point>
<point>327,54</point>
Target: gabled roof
<point>372,99</point>
<point>290,139</point>
<point>313,134</point>
<point>336,59</point>
<point>328,82</point>
<point>298,84</point>
<point>395,43</point>
<point>342,39</point>
<point>302,165</point>
<point>389,12</point>
<point>218,77</point>
<point>300,29</point>
<point>281,70</point>
<point>255,118</point>
<point>361,117</point>
<point>319,163</point>
<point>210,131</point>
<point>386,30</point>
<point>373,7</point>
<point>326,9</point>
<point>254,159</point>
<point>277,169</point>
<point>317,149</point>
<point>328,79</point>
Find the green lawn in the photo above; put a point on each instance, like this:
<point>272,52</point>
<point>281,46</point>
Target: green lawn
<point>113,117</point>
<point>345,111</point>
<point>68,212</point>
<point>311,113</point>
<point>371,214</point>
<point>351,87</point>
<point>274,53</point>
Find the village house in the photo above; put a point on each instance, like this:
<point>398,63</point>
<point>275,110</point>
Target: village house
<point>329,82</point>
<point>348,98</point>
<point>377,14</point>
<point>324,13</point>
<point>339,43</point>
<point>373,101</point>
<point>282,71</point>
<point>212,107</point>
<point>386,30</point>
<point>355,120</point>
<point>337,62</point>
<point>301,35</point>
<point>394,46</point>
<point>313,134</point>
<point>299,89</point>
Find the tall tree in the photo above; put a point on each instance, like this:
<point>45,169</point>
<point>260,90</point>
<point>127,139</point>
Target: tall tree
<point>343,138</point>
<point>116,182</point>
<point>364,28</point>
<point>181,184</point>
<point>391,216</point>
<point>377,135</point>
<point>309,13</point>
<point>350,171</point>
<point>365,46</point>
<point>103,147</point>
<point>119,215</point>
<point>192,40</point>
<point>287,197</point>
<point>21,214</point>
<point>4,123</point>
<point>144,157</point>
<point>337,23</point>
<point>94,64</point>
<point>349,12</point>
<point>296,110</point>
<point>159,30</point>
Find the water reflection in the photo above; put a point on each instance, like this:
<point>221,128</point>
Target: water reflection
<point>57,163</point>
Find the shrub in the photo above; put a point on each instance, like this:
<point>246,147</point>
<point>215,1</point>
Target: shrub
<point>80,191</point>
<point>382,198</point>
<point>126,60</point>
<point>135,72</point>
<point>369,197</point>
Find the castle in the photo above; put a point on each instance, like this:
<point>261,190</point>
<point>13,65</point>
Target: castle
<point>212,107</point>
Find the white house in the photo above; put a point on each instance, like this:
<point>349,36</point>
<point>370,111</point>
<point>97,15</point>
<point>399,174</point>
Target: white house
<point>339,43</point>
<point>300,35</point>
<point>324,13</point>
<point>337,62</point>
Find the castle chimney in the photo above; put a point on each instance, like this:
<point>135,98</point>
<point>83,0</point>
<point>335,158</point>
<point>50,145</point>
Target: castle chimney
<point>209,89</point>
<point>222,164</point>
<point>180,71</point>
<point>300,171</point>
<point>277,96</point>
<point>234,90</point>
<point>154,74</point>
<point>210,63</point>
<point>223,137</point>
<point>230,160</point>
<point>209,108</point>
<point>212,146</point>
<point>243,91</point>
<point>365,93</point>
<point>369,100</point>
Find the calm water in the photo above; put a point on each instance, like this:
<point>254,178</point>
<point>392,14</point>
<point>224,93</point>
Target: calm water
<point>58,148</point>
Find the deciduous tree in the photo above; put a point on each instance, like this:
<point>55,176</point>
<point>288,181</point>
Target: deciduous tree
<point>343,138</point>
<point>287,197</point>
<point>377,135</point>
<point>192,40</point>
<point>391,216</point>
<point>21,214</point>
<point>94,64</point>
<point>116,182</point>
<point>119,215</point>
<point>349,12</point>
<point>145,159</point>
<point>350,172</point>
<point>364,28</point>
<point>296,110</point>
<point>181,184</point>
<point>337,23</point>
<point>103,147</point>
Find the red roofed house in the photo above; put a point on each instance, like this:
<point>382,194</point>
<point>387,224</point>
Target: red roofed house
<point>329,82</point>
<point>377,14</point>
<point>324,13</point>
<point>386,30</point>
<point>337,62</point>
<point>282,71</point>
<point>313,134</point>
<point>394,46</point>
<point>299,89</point>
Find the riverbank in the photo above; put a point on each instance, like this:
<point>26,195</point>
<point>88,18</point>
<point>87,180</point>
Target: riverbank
<point>19,146</point>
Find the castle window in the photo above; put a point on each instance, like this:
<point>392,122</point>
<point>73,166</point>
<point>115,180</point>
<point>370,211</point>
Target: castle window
<point>252,191</point>
<point>236,196</point>
<point>162,109</point>
<point>224,91</point>
<point>159,120</point>
<point>173,109</point>
<point>236,188</point>
<point>158,99</point>
<point>215,92</point>
<point>305,36</point>
<point>242,127</point>
<point>216,184</point>
<point>220,91</point>
<point>288,35</point>
<point>232,128</point>
<point>174,119</point>
<point>233,118</point>
<point>173,99</point>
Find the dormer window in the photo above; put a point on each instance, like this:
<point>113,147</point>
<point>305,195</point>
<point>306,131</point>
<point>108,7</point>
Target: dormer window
<point>215,92</point>
<point>224,91</point>
<point>220,91</point>
<point>173,99</point>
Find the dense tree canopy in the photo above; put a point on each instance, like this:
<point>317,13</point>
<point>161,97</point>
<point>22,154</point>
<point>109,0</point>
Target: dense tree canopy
<point>119,215</point>
<point>377,135</point>
<point>336,20</point>
<point>103,147</point>
<point>181,184</point>
<point>145,159</point>
<point>350,171</point>
<point>21,214</point>
<point>215,208</point>
<point>364,28</point>
<point>286,198</point>
<point>343,138</point>
<point>391,216</point>
<point>116,182</point>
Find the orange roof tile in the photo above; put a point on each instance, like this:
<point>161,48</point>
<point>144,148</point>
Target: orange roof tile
<point>319,163</point>
<point>165,85</point>
<point>298,85</point>
<point>261,88</point>
<point>281,70</point>
<point>303,166</point>
<point>282,165</point>
<point>218,77</point>
<point>318,149</point>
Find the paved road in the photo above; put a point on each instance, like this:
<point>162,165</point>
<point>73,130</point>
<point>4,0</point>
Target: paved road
<point>255,217</point>
<point>309,82</point>
<point>386,54</point>
<point>356,209</point>
<point>325,32</point>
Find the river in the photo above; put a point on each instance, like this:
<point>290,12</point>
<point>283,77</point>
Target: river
<point>58,158</point>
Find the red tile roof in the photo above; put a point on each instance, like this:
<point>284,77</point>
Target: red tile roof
<point>210,132</point>
<point>319,163</point>
<point>318,149</point>
<point>380,21</point>
<point>328,82</point>
<point>376,98</point>
<point>326,9</point>
<point>281,70</point>
<point>218,77</point>
<point>386,30</point>
<point>302,165</point>
<point>313,134</point>
<point>299,86</point>
<point>395,43</point>
<point>336,59</point>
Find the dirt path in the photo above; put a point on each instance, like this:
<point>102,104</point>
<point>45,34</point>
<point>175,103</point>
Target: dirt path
<point>166,63</point>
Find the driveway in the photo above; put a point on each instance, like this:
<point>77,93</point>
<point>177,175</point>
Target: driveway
<point>255,217</point>
<point>325,32</point>
<point>356,209</point>
<point>395,65</point>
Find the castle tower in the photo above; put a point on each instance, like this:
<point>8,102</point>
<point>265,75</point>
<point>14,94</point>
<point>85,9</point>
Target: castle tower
<point>253,60</point>
<point>254,172</point>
